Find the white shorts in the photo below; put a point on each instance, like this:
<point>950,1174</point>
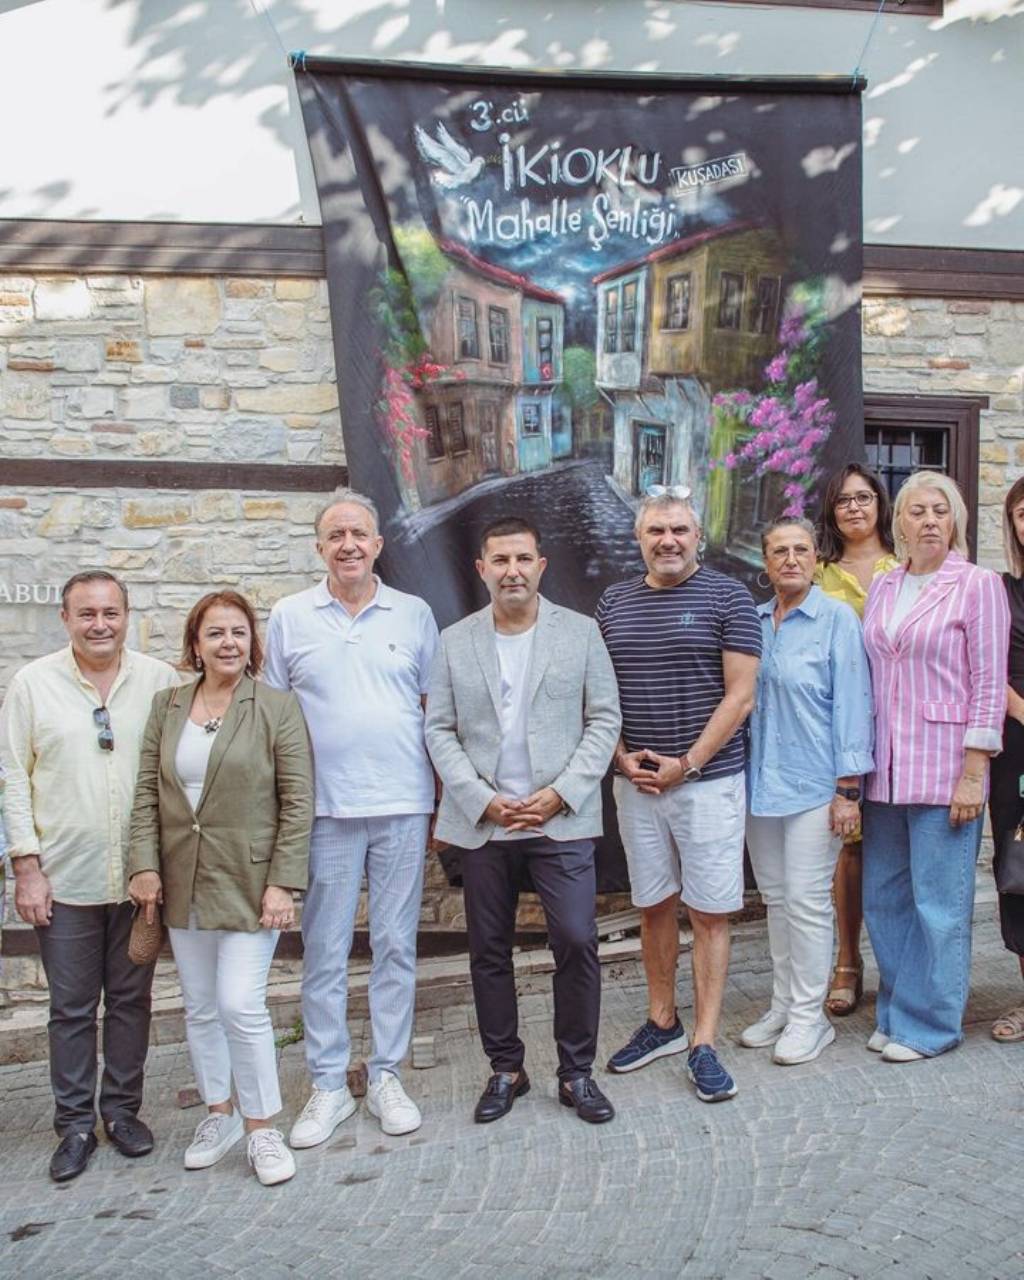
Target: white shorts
<point>687,841</point>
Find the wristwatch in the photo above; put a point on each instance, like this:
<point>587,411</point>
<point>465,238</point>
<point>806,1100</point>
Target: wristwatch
<point>848,793</point>
<point>690,771</point>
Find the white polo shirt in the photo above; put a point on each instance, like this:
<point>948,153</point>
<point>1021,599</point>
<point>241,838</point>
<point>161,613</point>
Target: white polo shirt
<point>359,681</point>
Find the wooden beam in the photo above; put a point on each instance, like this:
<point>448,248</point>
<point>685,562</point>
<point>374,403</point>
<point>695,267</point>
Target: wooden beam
<point>60,473</point>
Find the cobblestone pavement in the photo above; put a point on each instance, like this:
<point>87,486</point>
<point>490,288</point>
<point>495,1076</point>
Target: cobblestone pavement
<point>842,1167</point>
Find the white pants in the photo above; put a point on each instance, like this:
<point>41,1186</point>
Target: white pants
<point>224,989</point>
<point>794,859</point>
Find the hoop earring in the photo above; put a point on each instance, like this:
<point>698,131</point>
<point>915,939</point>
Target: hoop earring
<point>763,585</point>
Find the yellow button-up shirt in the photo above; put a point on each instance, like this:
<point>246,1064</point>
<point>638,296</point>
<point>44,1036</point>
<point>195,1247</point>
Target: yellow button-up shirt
<point>840,584</point>
<point>68,801</point>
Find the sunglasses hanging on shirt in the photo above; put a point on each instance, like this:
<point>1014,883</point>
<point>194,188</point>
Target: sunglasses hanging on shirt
<point>105,736</point>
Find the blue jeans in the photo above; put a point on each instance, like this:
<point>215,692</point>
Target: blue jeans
<point>918,907</point>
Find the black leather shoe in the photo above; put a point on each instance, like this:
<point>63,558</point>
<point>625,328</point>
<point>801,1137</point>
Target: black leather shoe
<point>590,1103</point>
<point>71,1157</point>
<point>502,1090</point>
<point>131,1137</point>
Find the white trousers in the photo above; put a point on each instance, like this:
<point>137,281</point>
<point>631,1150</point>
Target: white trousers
<point>794,860</point>
<point>224,989</point>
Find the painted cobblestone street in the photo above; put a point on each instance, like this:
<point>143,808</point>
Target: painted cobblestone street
<point>842,1167</point>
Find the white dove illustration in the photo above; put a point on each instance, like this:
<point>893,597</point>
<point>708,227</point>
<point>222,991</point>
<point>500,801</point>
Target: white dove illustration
<point>454,164</point>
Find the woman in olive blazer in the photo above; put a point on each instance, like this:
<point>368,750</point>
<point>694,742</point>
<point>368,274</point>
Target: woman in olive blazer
<point>220,836</point>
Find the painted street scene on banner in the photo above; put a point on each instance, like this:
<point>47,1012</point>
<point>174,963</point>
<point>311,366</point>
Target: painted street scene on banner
<point>565,290</point>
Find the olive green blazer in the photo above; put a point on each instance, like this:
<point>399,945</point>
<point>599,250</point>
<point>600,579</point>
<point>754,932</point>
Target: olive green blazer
<point>251,826</point>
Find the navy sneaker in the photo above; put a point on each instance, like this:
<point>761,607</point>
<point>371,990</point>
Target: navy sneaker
<point>714,1083</point>
<point>647,1043</point>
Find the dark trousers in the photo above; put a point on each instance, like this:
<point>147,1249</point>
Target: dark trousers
<point>563,874</point>
<point>85,955</point>
<point>1006,808</point>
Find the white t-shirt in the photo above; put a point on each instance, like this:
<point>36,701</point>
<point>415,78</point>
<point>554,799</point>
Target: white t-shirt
<point>910,592</point>
<point>514,774</point>
<point>359,682</point>
<point>192,759</point>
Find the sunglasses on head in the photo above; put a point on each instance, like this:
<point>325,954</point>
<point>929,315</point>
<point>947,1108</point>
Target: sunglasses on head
<point>105,737</point>
<point>680,491</point>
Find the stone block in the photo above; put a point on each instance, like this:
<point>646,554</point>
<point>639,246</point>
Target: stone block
<point>155,444</point>
<point>294,397</point>
<point>123,349</point>
<point>357,1079</point>
<point>970,324</point>
<point>155,373</point>
<point>215,504</point>
<point>264,509</point>
<point>13,504</point>
<point>424,1053</point>
<point>184,397</point>
<point>150,513</point>
<point>969,308</point>
<point>887,320</point>
<point>188,1097</point>
<point>994,453</point>
<point>215,398</point>
<point>948,362</point>
<point>18,301</point>
<point>280,359</point>
<point>92,402</point>
<point>62,300</point>
<point>24,364</point>
<point>181,305</point>
<point>237,288</point>
<point>64,517</point>
<point>294,290</point>
<point>249,441</point>
<point>286,319</point>
<point>1005,344</point>
<point>73,446</point>
<point>145,402</point>
<point>24,397</point>
<point>188,564</point>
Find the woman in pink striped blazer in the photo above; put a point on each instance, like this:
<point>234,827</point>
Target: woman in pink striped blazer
<point>936,631</point>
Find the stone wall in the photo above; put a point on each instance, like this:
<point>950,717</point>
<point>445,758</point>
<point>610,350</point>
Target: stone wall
<point>931,346</point>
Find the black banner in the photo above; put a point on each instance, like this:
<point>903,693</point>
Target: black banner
<point>551,292</point>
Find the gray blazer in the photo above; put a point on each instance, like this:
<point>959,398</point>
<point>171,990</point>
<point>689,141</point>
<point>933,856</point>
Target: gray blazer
<point>574,722</point>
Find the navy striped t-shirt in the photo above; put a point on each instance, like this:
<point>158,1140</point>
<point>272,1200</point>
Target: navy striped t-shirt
<point>666,646</point>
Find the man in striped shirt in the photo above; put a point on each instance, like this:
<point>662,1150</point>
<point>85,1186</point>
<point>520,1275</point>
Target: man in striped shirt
<point>685,642</point>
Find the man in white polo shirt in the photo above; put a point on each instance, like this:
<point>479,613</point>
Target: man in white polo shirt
<point>358,654</point>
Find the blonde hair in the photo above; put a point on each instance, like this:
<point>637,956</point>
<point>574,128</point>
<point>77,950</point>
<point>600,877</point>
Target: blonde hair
<point>1011,543</point>
<point>949,490</point>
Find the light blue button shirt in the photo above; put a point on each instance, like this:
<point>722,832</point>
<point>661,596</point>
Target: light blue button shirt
<point>812,722</point>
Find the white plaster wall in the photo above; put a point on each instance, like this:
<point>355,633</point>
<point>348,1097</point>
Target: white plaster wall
<point>185,110</point>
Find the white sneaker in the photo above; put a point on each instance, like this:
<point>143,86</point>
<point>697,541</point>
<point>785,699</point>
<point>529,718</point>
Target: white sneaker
<point>214,1137</point>
<point>878,1041</point>
<point>392,1106</point>
<point>766,1030</point>
<point>321,1115</point>
<point>271,1160</point>
<point>803,1043</point>
<point>896,1052</point>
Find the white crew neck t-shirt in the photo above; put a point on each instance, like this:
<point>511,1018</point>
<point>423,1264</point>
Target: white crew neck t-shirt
<point>911,589</point>
<point>514,774</point>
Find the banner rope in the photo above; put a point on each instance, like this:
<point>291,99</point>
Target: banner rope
<point>259,10</point>
<point>867,42</point>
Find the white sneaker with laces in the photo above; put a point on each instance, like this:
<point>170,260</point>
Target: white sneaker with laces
<point>271,1160</point>
<point>321,1115</point>
<point>214,1137</point>
<point>803,1043</point>
<point>877,1041</point>
<point>766,1030</point>
<point>896,1052</point>
<point>389,1102</point>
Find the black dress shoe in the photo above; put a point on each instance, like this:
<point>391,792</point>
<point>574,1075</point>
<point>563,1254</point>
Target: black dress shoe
<point>590,1103</point>
<point>502,1090</point>
<point>131,1137</point>
<point>71,1157</point>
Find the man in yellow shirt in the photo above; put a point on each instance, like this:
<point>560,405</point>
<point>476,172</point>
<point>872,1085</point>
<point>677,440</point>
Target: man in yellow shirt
<point>70,732</point>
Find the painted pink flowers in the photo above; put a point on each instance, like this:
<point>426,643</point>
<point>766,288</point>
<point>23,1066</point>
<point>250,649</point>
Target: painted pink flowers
<point>781,428</point>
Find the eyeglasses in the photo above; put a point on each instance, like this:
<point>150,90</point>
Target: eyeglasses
<point>105,737</point>
<point>680,491</point>
<point>862,499</point>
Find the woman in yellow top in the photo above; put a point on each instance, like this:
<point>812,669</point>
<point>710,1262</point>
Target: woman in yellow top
<point>856,546</point>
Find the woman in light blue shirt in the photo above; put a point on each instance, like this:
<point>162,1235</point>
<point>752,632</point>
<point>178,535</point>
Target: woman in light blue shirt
<point>810,742</point>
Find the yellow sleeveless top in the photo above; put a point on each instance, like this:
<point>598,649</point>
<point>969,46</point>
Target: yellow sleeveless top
<point>840,584</point>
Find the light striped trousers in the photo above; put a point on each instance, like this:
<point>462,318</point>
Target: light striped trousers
<point>391,851</point>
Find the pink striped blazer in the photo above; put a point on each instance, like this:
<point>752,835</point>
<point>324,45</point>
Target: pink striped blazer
<point>940,684</point>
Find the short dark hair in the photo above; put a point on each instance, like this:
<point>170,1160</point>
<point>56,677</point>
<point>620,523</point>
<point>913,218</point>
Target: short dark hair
<point>233,600</point>
<point>508,527</point>
<point>91,575</point>
<point>830,541</point>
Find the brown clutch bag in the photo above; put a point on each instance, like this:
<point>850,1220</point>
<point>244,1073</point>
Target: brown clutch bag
<point>145,940</point>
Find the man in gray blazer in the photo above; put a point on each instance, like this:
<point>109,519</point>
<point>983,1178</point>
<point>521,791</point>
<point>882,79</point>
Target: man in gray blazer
<point>522,720</point>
